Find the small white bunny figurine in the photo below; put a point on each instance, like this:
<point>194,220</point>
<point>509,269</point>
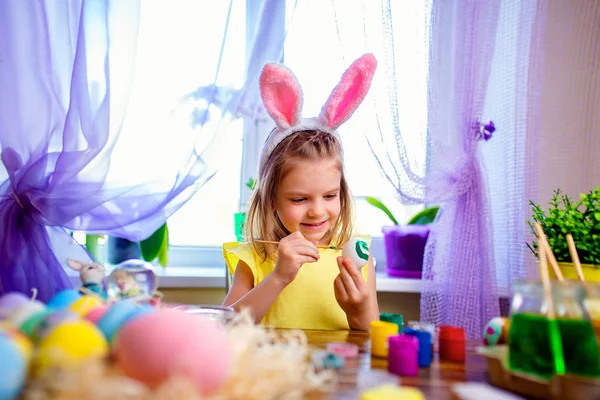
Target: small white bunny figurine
<point>92,274</point>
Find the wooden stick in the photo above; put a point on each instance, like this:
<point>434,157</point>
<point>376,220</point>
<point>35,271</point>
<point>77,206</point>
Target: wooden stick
<point>543,244</point>
<point>575,257</point>
<point>320,246</point>
<point>546,282</point>
<point>553,329</point>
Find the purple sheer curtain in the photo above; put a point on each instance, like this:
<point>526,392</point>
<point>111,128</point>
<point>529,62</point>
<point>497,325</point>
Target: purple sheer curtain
<point>486,63</point>
<point>57,124</point>
<point>478,69</point>
<point>65,78</point>
<point>459,274</point>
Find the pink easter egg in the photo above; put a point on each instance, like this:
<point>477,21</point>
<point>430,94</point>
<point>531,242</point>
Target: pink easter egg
<point>97,313</point>
<point>159,344</point>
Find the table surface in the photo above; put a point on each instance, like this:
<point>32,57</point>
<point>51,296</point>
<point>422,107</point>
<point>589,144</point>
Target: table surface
<point>365,372</point>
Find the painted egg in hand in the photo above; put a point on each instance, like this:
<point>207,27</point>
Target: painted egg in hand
<point>357,250</point>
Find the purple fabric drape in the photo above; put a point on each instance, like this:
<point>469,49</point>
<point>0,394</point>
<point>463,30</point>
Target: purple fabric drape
<point>65,76</point>
<point>55,126</point>
<point>459,274</point>
<point>64,82</point>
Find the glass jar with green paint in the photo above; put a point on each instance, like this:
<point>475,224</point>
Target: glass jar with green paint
<point>531,332</point>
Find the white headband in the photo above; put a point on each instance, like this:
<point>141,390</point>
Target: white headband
<point>282,96</point>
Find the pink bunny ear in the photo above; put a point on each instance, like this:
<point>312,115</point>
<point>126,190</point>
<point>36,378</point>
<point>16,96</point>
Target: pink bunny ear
<point>281,95</point>
<point>350,92</point>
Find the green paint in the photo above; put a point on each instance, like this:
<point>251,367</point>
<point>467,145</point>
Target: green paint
<point>362,249</point>
<point>397,319</point>
<point>544,348</point>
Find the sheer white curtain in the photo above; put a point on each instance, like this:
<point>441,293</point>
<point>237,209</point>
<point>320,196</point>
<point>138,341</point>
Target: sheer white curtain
<point>341,31</point>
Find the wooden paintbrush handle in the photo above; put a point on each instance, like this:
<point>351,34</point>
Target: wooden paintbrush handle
<point>320,246</point>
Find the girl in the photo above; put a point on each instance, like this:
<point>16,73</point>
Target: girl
<point>302,200</point>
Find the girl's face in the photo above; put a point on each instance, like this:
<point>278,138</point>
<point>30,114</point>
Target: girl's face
<point>308,198</point>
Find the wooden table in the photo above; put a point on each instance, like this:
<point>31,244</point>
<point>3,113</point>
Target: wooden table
<point>365,372</point>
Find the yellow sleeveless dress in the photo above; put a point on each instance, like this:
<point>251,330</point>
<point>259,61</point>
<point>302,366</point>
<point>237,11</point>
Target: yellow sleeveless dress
<point>306,303</point>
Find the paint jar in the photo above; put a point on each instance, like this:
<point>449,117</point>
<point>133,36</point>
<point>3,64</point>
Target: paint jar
<point>425,326</point>
<point>452,343</point>
<point>391,317</point>
<point>531,332</point>
<point>591,303</point>
<point>403,355</point>
<point>424,338</point>
<point>380,332</point>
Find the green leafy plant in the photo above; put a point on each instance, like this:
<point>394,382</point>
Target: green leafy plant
<point>240,217</point>
<point>156,246</point>
<point>564,215</point>
<point>423,217</point>
<point>251,184</point>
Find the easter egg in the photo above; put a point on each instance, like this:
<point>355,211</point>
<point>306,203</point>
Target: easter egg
<point>13,369</point>
<point>21,341</point>
<point>496,331</point>
<point>10,301</point>
<point>357,250</point>
<point>52,320</point>
<point>24,311</point>
<point>97,313</point>
<point>64,298</point>
<point>69,344</point>
<point>167,342</point>
<point>118,315</point>
<point>131,279</point>
<point>85,304</point>
<point>31,324</point>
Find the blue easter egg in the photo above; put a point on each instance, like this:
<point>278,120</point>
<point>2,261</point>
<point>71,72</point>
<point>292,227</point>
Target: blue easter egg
<point>13,369</point>
<point>119,314</point>
<point>64,299</point>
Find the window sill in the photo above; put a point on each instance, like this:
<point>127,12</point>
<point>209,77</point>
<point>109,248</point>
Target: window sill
<point>209,278</point>
<point>190,277</point>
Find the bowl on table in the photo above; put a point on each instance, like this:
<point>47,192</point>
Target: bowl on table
<point>208,311</point>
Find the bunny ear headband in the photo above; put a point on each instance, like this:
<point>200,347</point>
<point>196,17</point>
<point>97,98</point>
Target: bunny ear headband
<point>282,97</point>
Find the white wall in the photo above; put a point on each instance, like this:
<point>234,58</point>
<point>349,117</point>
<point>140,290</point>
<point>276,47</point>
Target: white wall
<point>569,156</point>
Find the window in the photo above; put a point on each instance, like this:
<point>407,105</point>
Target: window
<point>316,57</point>
<point>178,51</point>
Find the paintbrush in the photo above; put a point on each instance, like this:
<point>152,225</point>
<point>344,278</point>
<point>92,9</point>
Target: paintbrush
<point>320,246</point>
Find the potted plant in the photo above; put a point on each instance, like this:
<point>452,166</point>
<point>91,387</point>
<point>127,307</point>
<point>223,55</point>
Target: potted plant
<point>240,217</point>
<point>155,247</point>
<point>405,244</point>
<point>579,218</point>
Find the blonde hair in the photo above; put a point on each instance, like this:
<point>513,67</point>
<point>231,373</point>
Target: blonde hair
<point>262,221</point>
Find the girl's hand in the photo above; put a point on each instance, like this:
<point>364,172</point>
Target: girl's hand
<point>293,251</point>
<point>351,290</point>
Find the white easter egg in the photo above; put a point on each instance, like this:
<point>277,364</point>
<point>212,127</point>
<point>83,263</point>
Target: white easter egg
<point>24,311</point>
<point>357,250</point>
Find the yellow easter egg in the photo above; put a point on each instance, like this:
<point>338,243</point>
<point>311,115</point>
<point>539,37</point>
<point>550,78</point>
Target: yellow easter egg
<point>85,304</point>
<point>68,344</point>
